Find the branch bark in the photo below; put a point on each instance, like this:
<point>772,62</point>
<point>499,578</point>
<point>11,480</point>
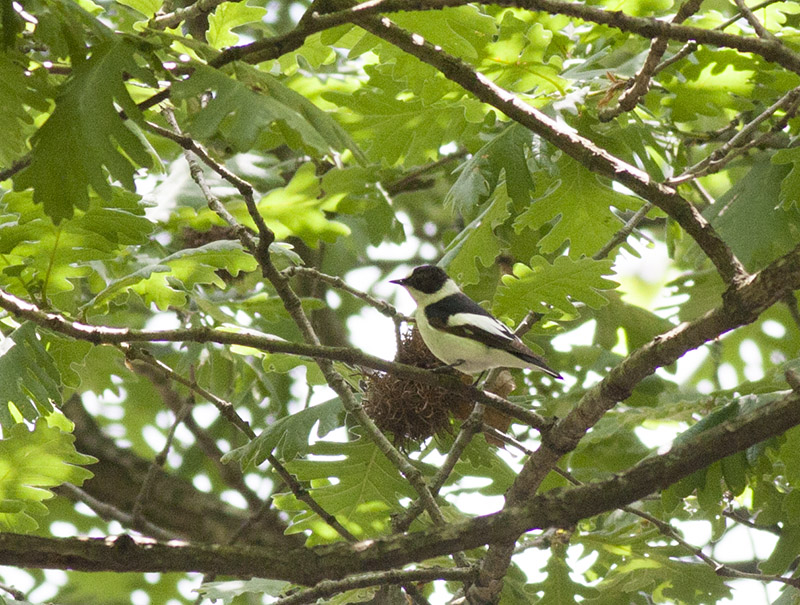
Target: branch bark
<point>556,508</point>
<point>583,150</point>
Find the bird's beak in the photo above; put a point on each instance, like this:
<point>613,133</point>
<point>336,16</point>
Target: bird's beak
<point>399,282</point>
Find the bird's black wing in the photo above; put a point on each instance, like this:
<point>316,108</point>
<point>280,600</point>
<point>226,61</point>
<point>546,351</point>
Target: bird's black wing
<point>458,314</point>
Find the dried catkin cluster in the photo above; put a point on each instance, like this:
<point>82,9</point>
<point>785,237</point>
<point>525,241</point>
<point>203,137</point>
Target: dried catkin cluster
<point>409,410</point>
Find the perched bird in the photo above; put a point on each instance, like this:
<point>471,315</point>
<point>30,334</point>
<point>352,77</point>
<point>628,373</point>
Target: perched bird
<point>460,332</point>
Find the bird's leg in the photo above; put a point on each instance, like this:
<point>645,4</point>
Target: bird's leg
<point>449,366</point>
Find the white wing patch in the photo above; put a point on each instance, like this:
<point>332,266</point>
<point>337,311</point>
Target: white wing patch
<point>487,324</point>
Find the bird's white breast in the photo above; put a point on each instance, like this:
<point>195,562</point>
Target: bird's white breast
<point>451,349</point>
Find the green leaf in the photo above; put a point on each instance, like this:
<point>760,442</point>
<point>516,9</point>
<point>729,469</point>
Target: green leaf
<point>666,579</point>
<point>30,462</point>
<point>244,109</point>
<point>228,16</point>
<point>790,454</point>
<point>719,80</point>
<point>367,489</point>
<point>727,412</point>
<point>477,242</point>
<point>299,209</point>
<point>462,31</point>
<point>28,377</point>
<point>148,8</point>
<point>522,57</point>
<point>734,470</point>
<point>542,285</point>
<point>580,204</point>
<point>399,127</point>
<point>790,185</point>
<point>166,282</point>
<point>20,91</point>
<point>77,146</point>
<point>747,219</point>
<point>785,552</point>
<point>47,259</point>
<point>289,437</point>
<point>480,174</point>
<point>559,588</point>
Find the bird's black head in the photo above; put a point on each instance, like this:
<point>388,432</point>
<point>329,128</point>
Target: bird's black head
<point>425,278</point>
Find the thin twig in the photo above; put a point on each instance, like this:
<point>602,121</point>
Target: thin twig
<point>469,428</point>
<point>225,408</point>
<point>174,18</point>
<point>214,203</point>
<point>327,588</point>
<point>381,306</point>
<point>740,517</point>
<point>667,530</point>
<point>791,304</point>
<point>692,45</point>
<point>108,512</point>
<point>641,82</point>
<point>228,412</point>
<point>403,182</point>
<point>758,27</point>
<point>15,594</point>
<point>158,464</point>
<point>162,378</point>
<point>621,235</point>
<point>737,144</point>
<point>189,144</point>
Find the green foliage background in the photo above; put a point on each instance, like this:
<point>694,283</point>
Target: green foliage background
<point>352,146</point>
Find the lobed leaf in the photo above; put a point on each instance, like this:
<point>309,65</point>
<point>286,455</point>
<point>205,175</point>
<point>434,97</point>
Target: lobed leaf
<point>29,378</point>
<point>290,437</point>
<point>85,139</point>
<point>580,205</point>
<point>542,286</point>
<point>31,461</point>
<point>367,489</point>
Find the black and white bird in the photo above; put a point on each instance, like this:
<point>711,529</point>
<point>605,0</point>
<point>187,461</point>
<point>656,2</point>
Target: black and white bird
<point>460,332</point>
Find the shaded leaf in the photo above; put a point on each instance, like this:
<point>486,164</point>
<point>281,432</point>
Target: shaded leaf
<point>28,377</point>
<point>77,146</point>
<point>367,489</point>
<point>480,174</point>
<point>747,218</point>
<point>289,437</point>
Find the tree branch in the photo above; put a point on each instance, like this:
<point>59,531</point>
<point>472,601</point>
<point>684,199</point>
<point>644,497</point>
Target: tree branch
<point>327,588</point>
<point>737,143</point>
<point>742,304</point>
<point>757,26</point>
<point>108,335</point>
<point>556,508</point>
<point>771,50</point>
<point>570,142</point>
<point>641,82</point>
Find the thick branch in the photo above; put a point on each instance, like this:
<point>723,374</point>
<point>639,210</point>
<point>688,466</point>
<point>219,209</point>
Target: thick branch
<point>556,508</point>
<point>570,142</point>
<point>741,305</point>
<point>770,49</point>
